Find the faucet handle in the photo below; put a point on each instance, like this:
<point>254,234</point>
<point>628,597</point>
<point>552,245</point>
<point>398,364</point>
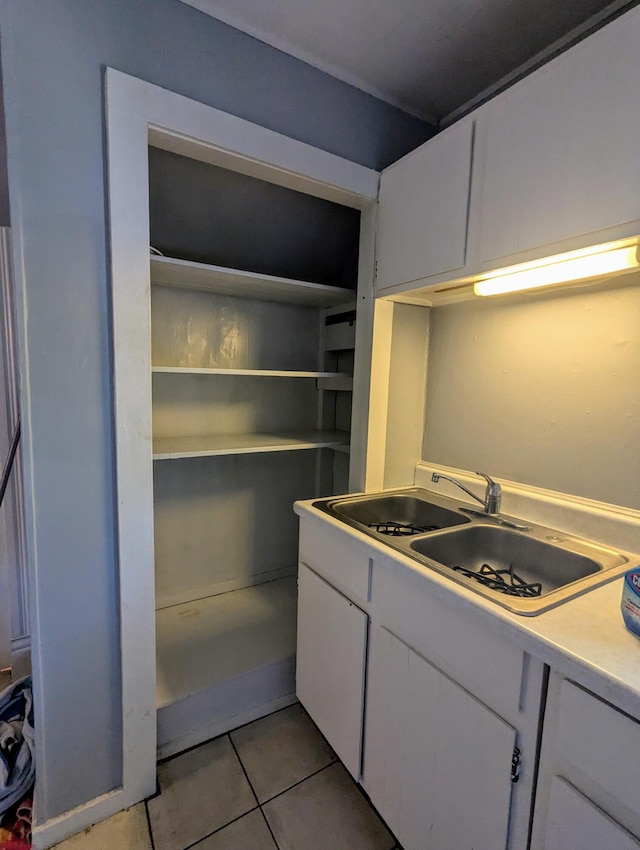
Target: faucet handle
<point>492,495</point>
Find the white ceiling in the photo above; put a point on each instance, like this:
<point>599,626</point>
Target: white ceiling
<point>431,58</point>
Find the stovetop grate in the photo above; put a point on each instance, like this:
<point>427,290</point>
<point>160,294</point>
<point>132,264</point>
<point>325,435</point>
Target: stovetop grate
<point>503,581</point>
<point>400,529</point>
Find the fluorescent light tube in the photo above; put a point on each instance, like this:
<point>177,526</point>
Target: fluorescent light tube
<point>561,269</point>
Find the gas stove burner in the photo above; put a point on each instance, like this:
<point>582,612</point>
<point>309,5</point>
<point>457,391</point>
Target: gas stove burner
<point>400,529</point>
<point>504,581</point>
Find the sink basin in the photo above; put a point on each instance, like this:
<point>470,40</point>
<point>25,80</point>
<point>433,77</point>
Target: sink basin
<point>532,560</point>
<point>433,531</point>
<point>555,566</point>
<point>405,509</point>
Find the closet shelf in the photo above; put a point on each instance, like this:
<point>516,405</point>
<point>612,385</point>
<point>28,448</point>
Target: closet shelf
<point>170,448</point>
<point>225,281</point>
<point>259,373</point>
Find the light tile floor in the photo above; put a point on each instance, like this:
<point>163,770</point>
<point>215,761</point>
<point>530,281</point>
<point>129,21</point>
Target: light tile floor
<point>274,784</point>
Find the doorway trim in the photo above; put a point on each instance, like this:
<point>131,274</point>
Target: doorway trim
<point>139,114</point>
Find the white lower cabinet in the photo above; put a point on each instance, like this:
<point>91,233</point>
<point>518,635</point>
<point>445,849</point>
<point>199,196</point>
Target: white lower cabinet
<point>574,823</point>
<point>332,638</point>
<point>425,703</point>
<point>437,761</point>
<point>587,793</point>
<point>441,717</point>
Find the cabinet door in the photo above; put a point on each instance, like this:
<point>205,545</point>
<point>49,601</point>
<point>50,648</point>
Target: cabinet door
<point>332,634</point>
<point>594,748</point>
<point>575,823</point>
<point>437,762</point>
<point>559,151</point>
<point>422,216</point>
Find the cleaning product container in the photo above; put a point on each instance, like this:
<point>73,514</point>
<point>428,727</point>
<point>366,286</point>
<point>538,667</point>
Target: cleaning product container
<point>631,600</point>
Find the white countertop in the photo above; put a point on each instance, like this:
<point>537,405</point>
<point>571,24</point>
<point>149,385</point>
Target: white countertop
<point>584,638</point>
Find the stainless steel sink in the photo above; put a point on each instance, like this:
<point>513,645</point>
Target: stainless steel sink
<point>404,509</point>
<point>553,566</point>
<point>539,563</point>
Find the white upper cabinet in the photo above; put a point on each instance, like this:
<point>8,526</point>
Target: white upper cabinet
<point>422,217</point>
<point>558,154</point>
<point>550,165</point>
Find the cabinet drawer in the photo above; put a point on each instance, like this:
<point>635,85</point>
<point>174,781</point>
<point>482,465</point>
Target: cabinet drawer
<point>601,742</point>
<point>333,555</point>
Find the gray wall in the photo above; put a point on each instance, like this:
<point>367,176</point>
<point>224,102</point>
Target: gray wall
<point>53,54</point>
<point>543,390</point>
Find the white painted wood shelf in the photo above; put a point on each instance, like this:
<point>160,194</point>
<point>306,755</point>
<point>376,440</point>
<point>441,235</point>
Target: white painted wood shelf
<point>219,659</point>
<point>168,271</point>
<point>171,448</point>
<point>258,373</point>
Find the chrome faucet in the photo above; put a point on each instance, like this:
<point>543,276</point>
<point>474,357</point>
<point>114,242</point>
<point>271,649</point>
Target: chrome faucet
<point>492,493</point>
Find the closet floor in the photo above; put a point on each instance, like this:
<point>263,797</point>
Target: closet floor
<point>224,660</point>
<point>207,641</point>
<point>274,784</point>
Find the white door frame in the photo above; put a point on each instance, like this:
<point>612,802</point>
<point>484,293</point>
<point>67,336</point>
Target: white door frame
<point>139,114</point>
<point>14,599</point>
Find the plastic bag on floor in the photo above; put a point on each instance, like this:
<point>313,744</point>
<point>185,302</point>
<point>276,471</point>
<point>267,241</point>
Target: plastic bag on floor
<point>17,766</point>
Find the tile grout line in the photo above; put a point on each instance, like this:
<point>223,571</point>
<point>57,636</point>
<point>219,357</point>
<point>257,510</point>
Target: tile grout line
<point>264,818</point>
<point>336,760</point>
<point>222,734</point>
<point>255,797</point>
<point>258,805</point>
<point>246,775</point>
<point>224,825</point>
<point>254,792</point>
<point>149,828</point>
<point>300,781</point>
<point>220,828</point>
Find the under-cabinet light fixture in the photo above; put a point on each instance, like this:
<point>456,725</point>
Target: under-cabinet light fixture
<point>562,268</point>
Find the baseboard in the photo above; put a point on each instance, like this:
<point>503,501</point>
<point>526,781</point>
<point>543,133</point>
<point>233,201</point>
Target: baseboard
<point>20,660</point>
<point>57,829</point>
<point>225,706</point>
<point>199,736</point>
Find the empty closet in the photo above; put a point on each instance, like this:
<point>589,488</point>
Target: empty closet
<point>216,432</point>
<point>253,318</point>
